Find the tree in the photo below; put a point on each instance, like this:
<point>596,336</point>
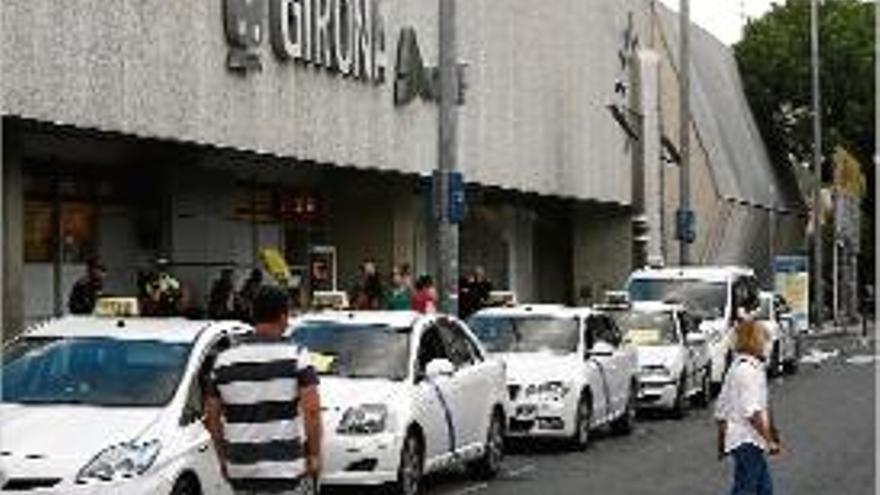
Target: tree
<point>774,59</point>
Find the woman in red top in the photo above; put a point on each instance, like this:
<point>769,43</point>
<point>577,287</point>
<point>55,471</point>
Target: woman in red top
<point>424,300</point>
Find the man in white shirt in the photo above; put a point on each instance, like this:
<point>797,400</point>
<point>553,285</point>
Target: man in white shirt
<point>745,430</point>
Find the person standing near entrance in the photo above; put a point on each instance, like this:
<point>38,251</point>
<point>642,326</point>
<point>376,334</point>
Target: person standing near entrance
<point>368,293</point>
<point>261,396</point>
<point>745,428</point>
<point>425,298</point>
<point>244,300</point>
<point>221,301</point>
<point>88,289</point>
<point>400,295</point>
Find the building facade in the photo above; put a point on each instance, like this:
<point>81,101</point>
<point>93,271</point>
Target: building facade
<point>205,132</point>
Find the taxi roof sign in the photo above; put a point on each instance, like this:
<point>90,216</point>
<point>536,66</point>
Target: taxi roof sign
<point>502,298</point>
<point>330,300</point>
<point>117,307</point>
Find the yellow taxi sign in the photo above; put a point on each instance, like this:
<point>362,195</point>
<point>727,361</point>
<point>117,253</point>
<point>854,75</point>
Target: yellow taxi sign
<point>117,307</point>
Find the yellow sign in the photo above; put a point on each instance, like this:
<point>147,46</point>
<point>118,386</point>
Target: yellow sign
<point>275,264</point>
<point>322,363</point>
<point>117,307</point>
<point>643,336</point>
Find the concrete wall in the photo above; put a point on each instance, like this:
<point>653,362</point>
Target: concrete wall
<point>540,76</point>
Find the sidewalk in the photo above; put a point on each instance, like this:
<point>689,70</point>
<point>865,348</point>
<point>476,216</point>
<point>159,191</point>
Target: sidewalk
<point>831,330</point>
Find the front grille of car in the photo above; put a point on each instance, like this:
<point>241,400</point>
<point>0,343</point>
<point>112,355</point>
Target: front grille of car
<point>513,390</point>
<point>25,484</point>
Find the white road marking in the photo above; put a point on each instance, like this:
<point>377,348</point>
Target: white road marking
<point>817,356</point>
<point>469,490</point>
<point>528,468</point>
<point>862,359</point>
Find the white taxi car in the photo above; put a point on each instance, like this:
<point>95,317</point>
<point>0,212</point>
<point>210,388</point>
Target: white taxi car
<point>403,394</point>
<point>716,294</point>
<point>782,343</point>
<point>100,405</point>
<point>674,364</point>
<point>569,370</point>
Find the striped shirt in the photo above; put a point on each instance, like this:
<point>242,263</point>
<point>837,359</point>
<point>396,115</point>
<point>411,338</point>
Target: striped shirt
<point>258,383</point>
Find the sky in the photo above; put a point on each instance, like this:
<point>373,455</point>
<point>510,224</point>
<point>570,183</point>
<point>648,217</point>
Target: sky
<point>724,18</point>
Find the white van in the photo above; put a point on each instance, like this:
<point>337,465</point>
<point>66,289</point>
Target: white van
<point>714,294</point>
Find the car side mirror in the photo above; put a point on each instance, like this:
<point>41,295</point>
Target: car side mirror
<point>602,349</point>
<point>695,339</point>
<point>438,368</point>
<point>190,415</point>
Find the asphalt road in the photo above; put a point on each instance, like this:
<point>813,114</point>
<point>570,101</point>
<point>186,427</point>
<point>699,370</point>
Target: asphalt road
<point>825,413</point>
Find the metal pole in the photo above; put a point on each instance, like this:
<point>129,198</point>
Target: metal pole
<point>684,195</point>
<point>2,232</point>
<point>818,282</point>
<point>447,154</point>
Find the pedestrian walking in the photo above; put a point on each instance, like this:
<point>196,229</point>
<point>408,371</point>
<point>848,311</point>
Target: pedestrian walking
<point>244,301</point>
<point>368,293</point>
<point>475,292</point>
<point>88,289</point>
<point>745,428</point>
<point>261,397</point>
<point>221,300</point>
<point>424,300</point>
<point>400,295</point>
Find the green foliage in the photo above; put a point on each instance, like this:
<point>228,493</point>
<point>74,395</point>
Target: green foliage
<point>774,59</point>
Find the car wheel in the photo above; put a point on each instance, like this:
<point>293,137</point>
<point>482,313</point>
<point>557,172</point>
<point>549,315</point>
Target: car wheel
<point>489,465</point>
<point>624,424</point>
<point>705,395</point>
<point>679,407</point>
<point>790,366</point>
<point>773,369</point>
<point>583,417</point>
<point>409,473</point>
<point>186,485</point>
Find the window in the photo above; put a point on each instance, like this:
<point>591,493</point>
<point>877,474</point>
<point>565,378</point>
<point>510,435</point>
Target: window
<point>195,400</point>
<point>603,330</point>
<point>688,324</point>
<point>460,349</point>
<point>431,347</point>
<point>60,217</point>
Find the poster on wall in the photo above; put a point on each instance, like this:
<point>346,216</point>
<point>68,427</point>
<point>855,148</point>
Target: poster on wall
<point>322,268</point>
<point>792,281</point>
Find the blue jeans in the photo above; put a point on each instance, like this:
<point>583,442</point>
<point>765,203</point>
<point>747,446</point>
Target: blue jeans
<point>751,473</point>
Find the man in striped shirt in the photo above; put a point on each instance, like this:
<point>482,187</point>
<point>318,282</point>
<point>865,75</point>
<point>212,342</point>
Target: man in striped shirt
<point>261,398</point>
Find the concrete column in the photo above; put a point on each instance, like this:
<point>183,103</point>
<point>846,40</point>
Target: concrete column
<point>13,232</point>
<point>601,252</point>
<point>520,235</point>
<point>405,217</point>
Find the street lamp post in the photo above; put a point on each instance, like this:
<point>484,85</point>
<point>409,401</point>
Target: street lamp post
<point>447,155</point>
<point>685,216</point>
<point>818,282</point>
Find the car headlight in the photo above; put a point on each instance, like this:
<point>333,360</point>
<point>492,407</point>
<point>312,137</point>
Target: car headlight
<point>656,370</point>
<point>553,390</point>
<point>366,419</point>
<point>121,461</point>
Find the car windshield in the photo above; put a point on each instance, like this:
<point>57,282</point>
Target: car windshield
<point>705,298</point>
<point>92,371</point>
<point>526,334</point>
<point>649,328</point>
<point>355,350</point>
